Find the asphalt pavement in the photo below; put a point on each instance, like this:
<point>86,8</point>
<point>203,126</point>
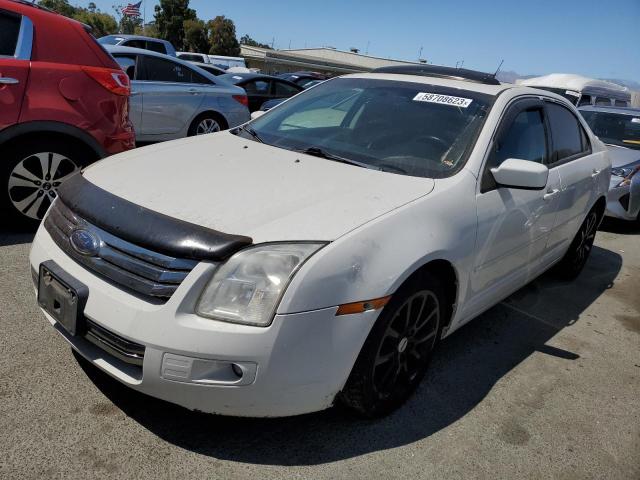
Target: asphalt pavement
<point>544,385</point>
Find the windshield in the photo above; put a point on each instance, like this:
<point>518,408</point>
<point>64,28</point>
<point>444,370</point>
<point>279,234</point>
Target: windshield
<point>401,127</point>
<point>110,40</point>
<point>615,128</point>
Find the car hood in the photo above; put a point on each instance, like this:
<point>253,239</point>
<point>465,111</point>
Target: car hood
<point>243,187</point>
<point>621,156</point>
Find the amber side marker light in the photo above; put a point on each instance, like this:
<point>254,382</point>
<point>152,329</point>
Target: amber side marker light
<point>360,307</point>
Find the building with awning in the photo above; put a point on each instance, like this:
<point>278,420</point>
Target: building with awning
<point>325,60</point>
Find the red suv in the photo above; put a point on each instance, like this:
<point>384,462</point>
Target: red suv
<point>64,103</point>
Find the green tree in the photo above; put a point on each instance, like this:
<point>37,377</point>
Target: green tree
<point>61,6</point>
<point>129,25</point>
<point>222,37</point>
<point>196,36</point>
<point>170,16</point>
<point>247,40</point>
<point>149,30</point>
<point>101,23</point>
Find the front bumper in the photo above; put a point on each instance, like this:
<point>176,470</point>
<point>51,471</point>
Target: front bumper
<point>624,202</point>
<point>296,365</point>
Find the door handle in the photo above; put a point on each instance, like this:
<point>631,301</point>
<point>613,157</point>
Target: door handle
<point>134,93</point>
<point>550,194</point>
<point>9,81</point>
<point>193,91</point>
<point>595,173</point>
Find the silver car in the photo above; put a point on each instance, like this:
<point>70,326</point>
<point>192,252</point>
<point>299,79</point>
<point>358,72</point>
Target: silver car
<point>171,98</point>
<point>619,129</point>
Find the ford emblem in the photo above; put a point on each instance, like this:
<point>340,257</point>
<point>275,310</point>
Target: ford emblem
<point>85,242</point>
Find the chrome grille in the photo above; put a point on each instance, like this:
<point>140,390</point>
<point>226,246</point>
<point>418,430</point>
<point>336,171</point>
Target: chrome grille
<point>151,274</point>
<point>121,348</point>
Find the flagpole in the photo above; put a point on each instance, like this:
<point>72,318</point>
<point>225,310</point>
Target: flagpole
<point>144,16</point>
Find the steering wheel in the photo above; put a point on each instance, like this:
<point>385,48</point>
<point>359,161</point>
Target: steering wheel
<point>433,139</point>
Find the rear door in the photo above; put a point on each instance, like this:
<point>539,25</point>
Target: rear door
<point>580,169</point>
<point>513,223</point>
<point>16,36</point>
<point>169,98</point>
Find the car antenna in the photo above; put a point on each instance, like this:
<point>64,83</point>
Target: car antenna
<point>498,69</point>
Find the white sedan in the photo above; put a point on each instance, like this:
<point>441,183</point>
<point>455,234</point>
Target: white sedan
<point>320,252</point>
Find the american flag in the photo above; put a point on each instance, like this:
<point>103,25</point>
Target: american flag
<point>132,10</point>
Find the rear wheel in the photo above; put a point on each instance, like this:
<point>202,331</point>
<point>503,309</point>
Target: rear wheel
<point>576,257</point>
<point>396,354</point>
<point>32,175</point>
<point>205,123</point>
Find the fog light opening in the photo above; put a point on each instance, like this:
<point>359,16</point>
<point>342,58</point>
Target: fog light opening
<point>237,370</point>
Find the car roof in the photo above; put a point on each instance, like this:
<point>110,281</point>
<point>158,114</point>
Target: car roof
<point>150,53</point>
<point>610,109</point>
<point>572,82</point>
<point>233,77</point>
<point>137,37</point>
<point>439,81</point>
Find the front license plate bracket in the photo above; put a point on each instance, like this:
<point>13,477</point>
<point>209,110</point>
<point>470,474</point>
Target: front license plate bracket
<point>63,297</point>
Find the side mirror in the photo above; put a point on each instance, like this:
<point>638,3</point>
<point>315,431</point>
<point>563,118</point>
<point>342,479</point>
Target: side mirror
<point>256,114</point>
<point>524,174</point>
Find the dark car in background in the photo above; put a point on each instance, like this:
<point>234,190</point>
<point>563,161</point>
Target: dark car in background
<point>208,67</point>
<point>302,78</point>
<point>619,129</point>
<point>64,103</point>
<point>262,88</point>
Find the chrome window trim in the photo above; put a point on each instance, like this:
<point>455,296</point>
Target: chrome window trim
<point>25,40</point>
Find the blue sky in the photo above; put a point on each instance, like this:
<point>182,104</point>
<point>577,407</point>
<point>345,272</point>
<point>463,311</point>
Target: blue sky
<point>588,37</point>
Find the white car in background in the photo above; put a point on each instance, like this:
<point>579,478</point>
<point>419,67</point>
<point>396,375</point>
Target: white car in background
<point>320,252</point>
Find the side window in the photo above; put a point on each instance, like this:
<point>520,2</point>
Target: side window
<point>567,133</point>
<point>161,70</point>
<point>584,100</point>
<point>525,139</point>
<point>156,47</point>
<point>128,64</point>
<point>135,44</point>
<point>285,90</point>
<point>257,87</point>
<point>620,103</point>
<point>9,29</point>
<point>603,101</point>
<point>197,78</point>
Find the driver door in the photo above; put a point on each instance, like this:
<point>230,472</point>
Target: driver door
<point>513,223</point>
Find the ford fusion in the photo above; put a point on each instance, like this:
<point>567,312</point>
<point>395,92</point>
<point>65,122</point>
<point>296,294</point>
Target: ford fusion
<point>319,253</point>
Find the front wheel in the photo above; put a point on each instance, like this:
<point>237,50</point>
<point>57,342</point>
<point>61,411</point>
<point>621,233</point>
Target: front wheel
<point>576,257</point>
<point>396,354</point>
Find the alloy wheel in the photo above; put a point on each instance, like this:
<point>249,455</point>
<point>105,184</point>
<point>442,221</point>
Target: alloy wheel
<point>34,182</point>
<point>207,125</point>
<point>586,237</point>
<point>406,344</point>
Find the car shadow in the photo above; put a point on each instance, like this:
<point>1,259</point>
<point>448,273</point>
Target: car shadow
<point>616,225</point>
<point>464,370</point>
<point>16,236</point>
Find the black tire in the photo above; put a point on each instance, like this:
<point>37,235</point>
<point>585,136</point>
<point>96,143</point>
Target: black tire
<point>31,174</point>
<point>207,117</point>
<point>396,354</point>
<point>578,253</point>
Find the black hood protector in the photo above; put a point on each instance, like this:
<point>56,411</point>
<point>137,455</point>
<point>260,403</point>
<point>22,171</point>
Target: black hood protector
<point>147,228</point>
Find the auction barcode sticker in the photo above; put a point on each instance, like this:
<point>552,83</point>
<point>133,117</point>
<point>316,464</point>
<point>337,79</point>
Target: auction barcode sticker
<point>442,99</point>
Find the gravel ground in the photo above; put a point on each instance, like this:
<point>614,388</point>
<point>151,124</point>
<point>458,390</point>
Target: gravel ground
<point>544,385</point>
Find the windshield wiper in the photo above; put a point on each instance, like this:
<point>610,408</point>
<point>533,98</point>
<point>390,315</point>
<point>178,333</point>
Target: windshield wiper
<point>251,132</point>
<point>319,152</point>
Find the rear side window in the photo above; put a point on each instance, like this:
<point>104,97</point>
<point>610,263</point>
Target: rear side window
<point>569,138</point>
<point>136,44</point>
<point>160,70</point>
<point>257,87</point>
<point>620,103</point>
<point>9,30</point>
<point>603,101</point>
<point>156,46</point>
<point>128,64</point>
<point>285,90</point>
<point>197,78</point>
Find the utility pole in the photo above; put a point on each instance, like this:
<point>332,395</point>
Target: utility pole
<point>366,52</point>
<point>420,53</point>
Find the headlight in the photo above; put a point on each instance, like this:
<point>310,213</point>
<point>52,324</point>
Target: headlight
<point>247,288</point>
<point>625,172</point>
